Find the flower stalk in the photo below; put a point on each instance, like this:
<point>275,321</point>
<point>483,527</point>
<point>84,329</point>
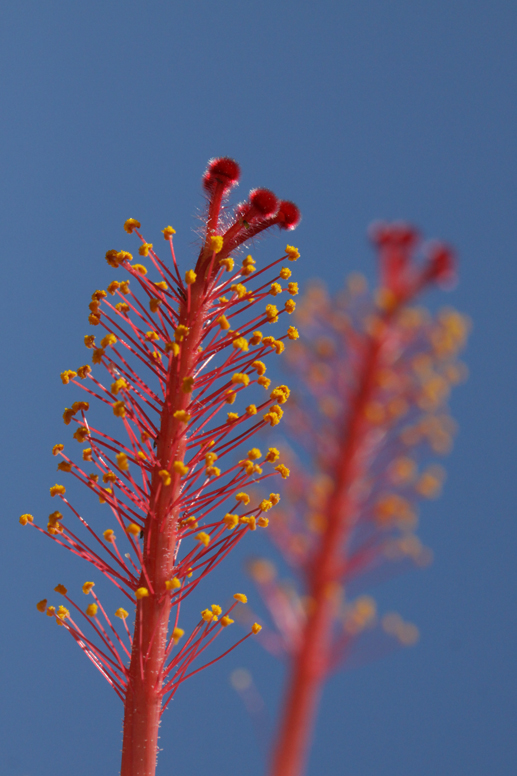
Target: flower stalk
<point>175,360</point>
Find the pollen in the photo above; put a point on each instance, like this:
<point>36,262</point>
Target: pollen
<point>188,384</point>
<point>290,306</point>
<point>173,584</point>
<point>119,409</point>
<point>57,449</point>
<point>87,587</point>
<point>274,498</point>
<point>190,277</point>
<point>230,397</point>
<point>228,263</point>
<point>259,367</point>
<point>180,468</point>
<point>172,347</point>
<point>283,470</point>
<point>223,322</point>
<point>243,498</point>
<point>182,415</point>
<point>232,417</point>
<point>124,287</point>
<point>24,519</point>
<point>231,521</point>
<point>254,454</point>
<point>265,505</point>
<point>144,249</point>
<point>207,615</point>
<point>241,598</point>
<point>61,589</point>
<point>285,273</point>
<point>133,529</point>
<point>122,462</point>
<point>280,394</point>
<point>67,375</point>
<point>292,333</point>
<point>113,286</point>
<point>241,344</point>
<point>256,339</point>
<point>131,224</point>
<point>109,535</point>
<point>154,304</point>
<point>89,340</point>
<point>265,381</point>
<point>81,434</point>
<point>225,621</point>
<point>250,522</point>
<point>263,522</point>
<point>168,232</point>
<point>256,628</point>
<point>64,466</point>
<point>272,313</point>
<point>177,634</point>
<point>97,355</point>
<point>275,289</point>
<point>140,269</point>
<point>62,612</point>
<point>166,477</point>
<point>41,605</point>
<point>121,613</point>
<point>57,490</point>
<point>118,385</point>
<point>216,243</point>
<point>292,288</point>
<point>91,610</point>
<point>141,592</point>
<point>292,252</point>
<point>84,371</point>
<point>251,409</point>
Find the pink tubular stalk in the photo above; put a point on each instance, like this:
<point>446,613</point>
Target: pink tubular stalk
<point>379,376</point>
<point>176,360</point>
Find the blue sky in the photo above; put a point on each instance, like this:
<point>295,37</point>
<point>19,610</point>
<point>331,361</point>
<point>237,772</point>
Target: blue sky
<point>357,111</point>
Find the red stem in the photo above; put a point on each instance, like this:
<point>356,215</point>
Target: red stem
<point>309,665</point>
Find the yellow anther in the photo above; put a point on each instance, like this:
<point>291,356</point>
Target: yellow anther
<point>257,469</point>
<point>283,470</point>
<point>81,434</point>
<point>249,521</point>
<point>98,295</point>
<point>225,621</point>
<point>122,462</point>
<point>210,459</point>
<point>109,534</point>
<point>292,288</point>
<point>140,269</point>
<point>97,355</point>
<point>251,409</point>
<point>154,304</point>
<point>280,394</point>
<point>168,232</point>
<point>80,406</point>
<point>292,333</point>
<point>41,605</point>
<point>166,477</point>
<point>204,538</point>
<point>247,465</point>
<point>274,498</point>
<point>131,224</point>
<point>112,258</point>
<point>290,306</point>
<point>109,339</point>
<point>265,505</point>
<point>256,628</point>
<point>292,252</point>
<point>51,611</point>
<point>94,319</point>
<point>68,375</point>
<point>119,385</point>
<point>230,397</point>
<point>84,371</point>
<point>272,313</point>
<point>141,592</point>
<point>265,381</point>
<point>24,519</point>
<point>109,477</point>
<point>161,285</point>
<point>239,289</point>
<point>232,417</point>
<point>182,415</point>
<point>122,307</point>
<point>57,489</point>
<point>241,598</point>
<point>285,273</point>
<point>133,529</point>
<point>181,332</point>
<point>61,589</point>
<point>64,466</point>
<point>223,322</point>
<point>180,468</point>
<point>113,286</point>
<point>275,289</point>
<point>124,287</point>
<point>91,610</point>
<point>256,338</point>
<point>241,344</point>
<point>144,249</point>
<point>213,471</point>
<point>240,377</point>
<point>57,449</point>
<point>172,347</point>
<point>119,409</point>
<point>121,613</point>
<point>177,634</point>
<point>124,256</point>
<point>259,367</point>
<point>62,612</point>
<point>68,414</point>
<point>87,587</point>
<point>228,264</point>
<point>208,615</point>
<point>173,584</point>
<point>89,340</point>
<point>190,277</point>
<point>263,522</point>
<point>231,521</point>
<point>243,498</point>
<point>216,243</point>
<point>279,347</point>
<point>254,454</point>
